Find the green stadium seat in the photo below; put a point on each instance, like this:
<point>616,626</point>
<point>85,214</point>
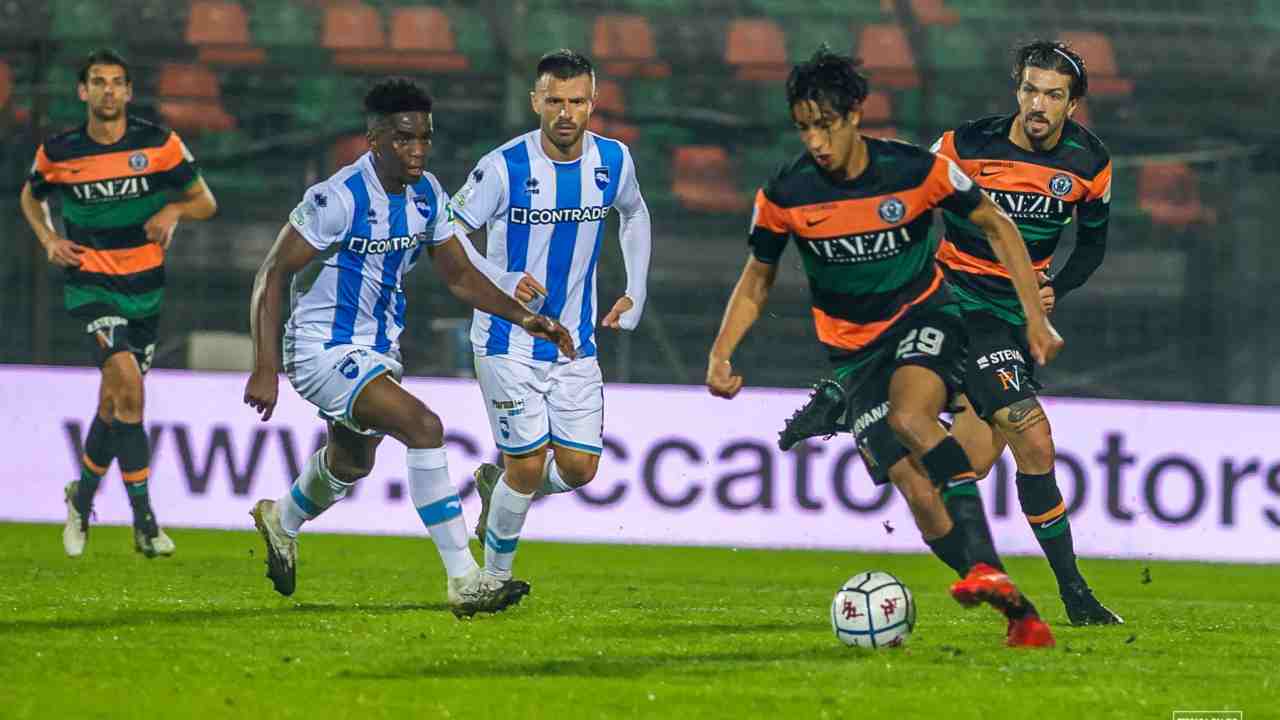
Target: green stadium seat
<point>475,38</point>
<point>283,24</point>
<point>549,30</point>
<point>329,103</point>
<point>81,20</point>
<point>859,11</point>
<point>961,48</point>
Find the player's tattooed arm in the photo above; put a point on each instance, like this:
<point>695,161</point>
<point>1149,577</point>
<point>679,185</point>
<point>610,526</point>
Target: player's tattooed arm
<point>1024,415</point>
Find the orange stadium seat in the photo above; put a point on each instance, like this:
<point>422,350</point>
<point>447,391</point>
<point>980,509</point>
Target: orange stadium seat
<point>757,47</point>
<point>704,180</point>
<point>618,129</point>
<point>1100,59</point>
<point>353,31</point>
<point>877,109</point>
<point>346,149</point>
<point>1082,113</point>
<point>624,47</point>
<point>6,84</point>
<point>190,99</point>
<point>610,99</point>
<point>887,56</point>
<point>424,40</point>
<point>220,32</point>
<point>1170,192</point>
<point>934,12</point>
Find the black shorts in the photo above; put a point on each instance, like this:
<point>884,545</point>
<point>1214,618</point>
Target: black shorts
<point>999,370</point>
<point>932,338</point>
<point>111,334</point>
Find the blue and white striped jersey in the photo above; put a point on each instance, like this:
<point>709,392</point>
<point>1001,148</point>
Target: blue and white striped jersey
<point>368,240</point>
<point>547,218</point>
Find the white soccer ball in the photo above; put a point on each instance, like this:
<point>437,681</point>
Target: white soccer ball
<point>873,610</point>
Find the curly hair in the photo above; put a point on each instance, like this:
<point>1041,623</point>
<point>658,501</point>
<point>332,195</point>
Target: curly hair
<point>395,95</point>
<point>830,78</point>
<point>1052,55</point>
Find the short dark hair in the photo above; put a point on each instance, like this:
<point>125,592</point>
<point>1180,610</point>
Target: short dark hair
<point>830,78</point>
<point>564,64</point>
<point>395,95</point>
<point>1052,55</point>
<point>103,56</point>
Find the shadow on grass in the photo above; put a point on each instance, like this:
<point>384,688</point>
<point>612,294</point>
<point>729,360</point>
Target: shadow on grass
<point>209,615</point>
<point>670,629</point>
<point>613,666</point>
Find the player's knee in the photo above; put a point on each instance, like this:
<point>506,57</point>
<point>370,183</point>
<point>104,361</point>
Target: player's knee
<point>349,469</point>
<point>578,469</point>
<point>907,424</point>
<point>1037,448</point>
<point>425,429</point>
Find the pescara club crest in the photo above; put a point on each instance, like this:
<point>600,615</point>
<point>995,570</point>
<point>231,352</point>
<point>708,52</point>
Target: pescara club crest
<point>892,210</point>
<point>138,162</point>
<point>424,207</point>
<point>1060,185</point>
<point>602,177</point>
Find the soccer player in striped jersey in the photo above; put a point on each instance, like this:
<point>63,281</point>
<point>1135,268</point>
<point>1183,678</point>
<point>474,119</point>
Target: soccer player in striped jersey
<point>124,184</point>
<point>544,198</point>
<point>1040,167</point>
<point>860,210</point>
<point>347,247</point>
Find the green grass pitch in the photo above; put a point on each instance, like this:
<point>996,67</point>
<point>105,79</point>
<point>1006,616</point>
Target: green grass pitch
<point>609,631</point>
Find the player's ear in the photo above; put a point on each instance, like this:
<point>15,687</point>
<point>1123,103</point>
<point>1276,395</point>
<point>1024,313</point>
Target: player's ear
<point>854,116</point>
<point>1072,105</point>
<point>82,91</point>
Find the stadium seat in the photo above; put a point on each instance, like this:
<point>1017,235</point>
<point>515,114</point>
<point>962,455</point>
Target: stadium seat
<point>423,39</point>
<point>877,109</point>
<point>616,129</point>
<point>1081,115</point>
<point>190,99</point>
<point>346,149</point>
<point>283,24</point>
<point>887,57</point>
<point>958,50</point>
<point>1170,192</point>
<point>6,84</point>
<point>80,20</point>
<point>1100,59</point>
<point>704,180</point>
<point>220,32</point>
<point>757,47</point>
<point>933,12</point>
<point>353,31</point>
<point>610,99</point>
<point>623,45</point>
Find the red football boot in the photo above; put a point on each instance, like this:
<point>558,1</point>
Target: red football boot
<point>1029,631</point>
<point>987,584</point>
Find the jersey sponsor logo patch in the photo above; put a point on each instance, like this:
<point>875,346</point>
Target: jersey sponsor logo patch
<point>116,189</point>
<point>1060,184</point>
<point>602,177</point>
<point>1000,356</point>
<point>138,161</point>
<point>861,248</point>
<point>892,210</point>
<point>380,246</point>
<point>869,418</point>
<point>552,216</point>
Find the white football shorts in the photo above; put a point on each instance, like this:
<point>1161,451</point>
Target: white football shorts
<point>332,378</point>
<point>532,405</point>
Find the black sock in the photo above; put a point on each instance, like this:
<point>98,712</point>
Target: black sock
<point>1042,503</point>
<point>950,470</point>
<point>135,467</point>
<point>950,549</point>
<point>97,457</point>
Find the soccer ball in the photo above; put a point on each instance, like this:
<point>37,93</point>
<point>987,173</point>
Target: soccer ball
<point>873,610</point>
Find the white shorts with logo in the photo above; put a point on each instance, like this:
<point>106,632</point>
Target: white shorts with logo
<point>532,405</point>
<point>332,378</point>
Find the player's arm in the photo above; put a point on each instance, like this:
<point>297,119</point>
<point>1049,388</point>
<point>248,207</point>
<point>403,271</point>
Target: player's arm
<point>1094,215</point>
<point>1011,250</point>
<point>520,285</point>
<point>636,240</point>
<point>469,285</point>
<point>61,251</point>
<point>290,253</point>
<point>195,203</point>
<point>745,304</point>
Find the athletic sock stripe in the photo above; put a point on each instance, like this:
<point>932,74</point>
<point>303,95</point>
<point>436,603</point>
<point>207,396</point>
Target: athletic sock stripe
<point>442,510</point>
<point>137,476</point>
<point>968,488</point>
<point>965,476</point>
<point>502,546</point>
<point>303,502</point>
<point>1048,533</point>
<point>92,467</point>
<point>1046,516</point>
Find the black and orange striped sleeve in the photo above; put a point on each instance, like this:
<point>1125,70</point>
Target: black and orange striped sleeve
<point>949,188</point>
<point>41,182</point>
<point>1095,208</point>
<point>176,165</point>
<point>769,229</point>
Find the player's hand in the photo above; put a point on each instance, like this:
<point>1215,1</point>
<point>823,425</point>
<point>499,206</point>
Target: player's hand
<point>160,227</point>
<point>548,329</point>
<point>262,391</point>
<point>1048,298</point>
<point>1044,340</point>
<point>614,318</point>
<point>529,289</point>
<point>720,379</point>
<point>62,252</point>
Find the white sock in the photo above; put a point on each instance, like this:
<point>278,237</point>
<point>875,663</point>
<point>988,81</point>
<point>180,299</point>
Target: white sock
<point>315,491</point>
<point>552,481</point>
<point>436,498</point>
<point>507,510</point>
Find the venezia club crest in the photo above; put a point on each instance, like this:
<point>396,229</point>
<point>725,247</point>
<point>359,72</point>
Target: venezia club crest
<point>1060,185</point>
<point>138,162</point>
<point>892,210</point>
